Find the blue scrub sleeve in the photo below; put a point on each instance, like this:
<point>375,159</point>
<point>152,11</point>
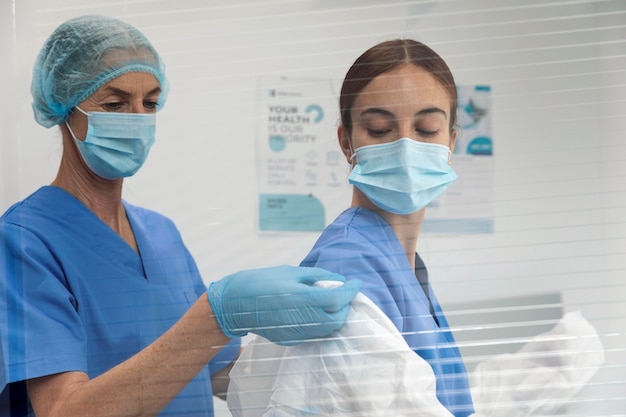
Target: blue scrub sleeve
<point>358,260</point>
<point>40,330</point>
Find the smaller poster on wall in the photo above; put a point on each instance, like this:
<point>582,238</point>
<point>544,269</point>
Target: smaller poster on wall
<point>467,206</point>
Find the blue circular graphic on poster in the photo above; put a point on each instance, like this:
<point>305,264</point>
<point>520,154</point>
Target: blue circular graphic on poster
<point>317,109</point>
<point>277,143</point>
<point>480,146</point>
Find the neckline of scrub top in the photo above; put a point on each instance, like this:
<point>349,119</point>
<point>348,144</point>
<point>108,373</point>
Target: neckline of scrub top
<point>421,273</point>
<point>124,254</point>
<point>149,256</point>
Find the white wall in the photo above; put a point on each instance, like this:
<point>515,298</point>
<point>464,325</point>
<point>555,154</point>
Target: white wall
<point>557,70</point>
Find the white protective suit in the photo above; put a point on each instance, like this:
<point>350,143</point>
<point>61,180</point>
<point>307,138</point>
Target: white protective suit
<point>542,375</point>
<point>367,369</point>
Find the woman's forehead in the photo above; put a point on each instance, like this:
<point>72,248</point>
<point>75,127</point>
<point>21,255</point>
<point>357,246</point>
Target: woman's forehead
<point>407,86</point>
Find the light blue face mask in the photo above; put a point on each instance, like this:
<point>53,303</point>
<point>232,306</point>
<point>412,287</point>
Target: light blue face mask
<point>117,144</point>
<point>402,176</point>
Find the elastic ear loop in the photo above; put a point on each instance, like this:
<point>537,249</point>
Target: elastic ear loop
<point>352,153</point>
<point>82,111</point>
<point>68,124</point>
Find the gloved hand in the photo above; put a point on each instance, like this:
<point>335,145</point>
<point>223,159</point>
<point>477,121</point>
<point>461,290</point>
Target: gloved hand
<point>280,303</point>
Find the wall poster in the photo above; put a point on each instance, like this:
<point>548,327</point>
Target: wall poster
<point>302,172</point>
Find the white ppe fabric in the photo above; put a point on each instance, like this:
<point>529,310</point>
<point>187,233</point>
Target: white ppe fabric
<point>364,369</point>
<point>543,375</point>
<point>367,369</point>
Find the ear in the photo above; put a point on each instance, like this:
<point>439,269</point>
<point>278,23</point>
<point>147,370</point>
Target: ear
<point>452,140</point>
<point>344,143</point>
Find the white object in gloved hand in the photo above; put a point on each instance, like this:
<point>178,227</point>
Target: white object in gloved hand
<point>542,375</point>
<point>363,369</point>
<point>281,303</point>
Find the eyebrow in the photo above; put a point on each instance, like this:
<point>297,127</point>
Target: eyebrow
<point>387,113</point>
<point>125,93</point>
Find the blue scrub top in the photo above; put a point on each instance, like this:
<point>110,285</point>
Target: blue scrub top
<point>361,244</point>
<point>75,297</point>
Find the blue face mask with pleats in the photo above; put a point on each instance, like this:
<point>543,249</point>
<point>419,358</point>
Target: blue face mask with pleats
<point>117,144</point>
<point>402,176</point>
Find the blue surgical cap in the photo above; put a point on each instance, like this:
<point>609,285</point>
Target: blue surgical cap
<point>83,54</point>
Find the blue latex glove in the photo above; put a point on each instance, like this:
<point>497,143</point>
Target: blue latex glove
<point>280,303</point>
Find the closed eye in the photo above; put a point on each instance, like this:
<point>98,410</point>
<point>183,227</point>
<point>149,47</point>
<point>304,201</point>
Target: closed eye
<point>427,133</point>
<point>378,132</point>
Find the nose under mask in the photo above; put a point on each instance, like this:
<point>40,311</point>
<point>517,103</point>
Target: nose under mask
<point>402,176</point>
<point>116,144</point>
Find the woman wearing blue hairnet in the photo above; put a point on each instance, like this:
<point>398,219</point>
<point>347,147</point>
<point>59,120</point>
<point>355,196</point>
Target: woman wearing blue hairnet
<point>398,114</point>
<point>102,308</point>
